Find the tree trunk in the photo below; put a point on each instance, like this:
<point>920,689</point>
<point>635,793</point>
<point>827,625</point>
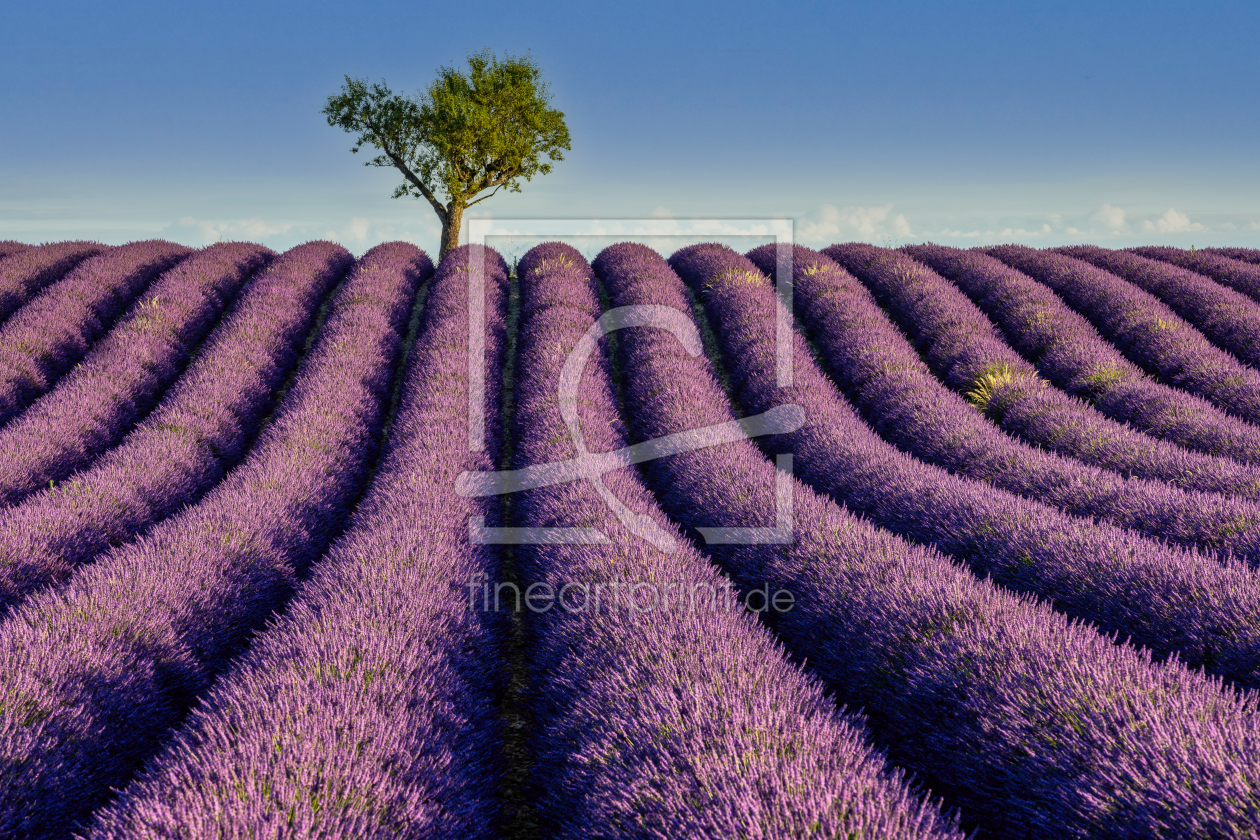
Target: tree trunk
<point>450,229</point>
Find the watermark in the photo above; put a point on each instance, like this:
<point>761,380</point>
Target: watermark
<point>633,597</point>
<point>590,467</point>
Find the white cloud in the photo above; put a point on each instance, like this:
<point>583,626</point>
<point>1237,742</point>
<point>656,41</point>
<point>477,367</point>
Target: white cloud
<point>945,232</point>
<point>252,230</point>
<point>1173,222</point>
<point>830,224</point>
<point>1255,225</point>
<point>1111,218</point>
<point>661,213</point>
<point>1006,233</point>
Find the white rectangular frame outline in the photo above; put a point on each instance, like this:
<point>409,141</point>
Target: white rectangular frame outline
<point>481,228</point>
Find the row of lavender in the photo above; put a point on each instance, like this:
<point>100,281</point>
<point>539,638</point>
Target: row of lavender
<point>1099,400</point>
<point>880,372</point>
<point>659,708</point>
<point>125,375</point>
<point>202,428</point>
<point>938,659</point>
<point>99,671</point>
<point>368,708</point>
<point>27,270</point>
<point>54,329</point>
<point>1122,420</point>
<point>574,709</point>
<point>1203,608</point>
<point>200,599</point>
<point>1147,329</point>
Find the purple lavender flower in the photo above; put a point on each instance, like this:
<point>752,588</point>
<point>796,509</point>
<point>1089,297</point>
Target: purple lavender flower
<point>368,709</point>
<point>1037,726</point>
<point>100,671</point>
<point>47,336</point>
<point>202,428</point>
<point>124,376</point>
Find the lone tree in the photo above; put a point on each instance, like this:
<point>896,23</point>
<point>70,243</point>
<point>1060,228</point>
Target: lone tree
<point>461,137</point>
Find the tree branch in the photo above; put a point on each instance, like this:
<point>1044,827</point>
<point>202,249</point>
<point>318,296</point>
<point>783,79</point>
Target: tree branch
<point>502,178</point>
<point>484,197</point>
<point>402,167</point>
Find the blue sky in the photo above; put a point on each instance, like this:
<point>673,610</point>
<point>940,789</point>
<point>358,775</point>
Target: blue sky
<point>963,123</point>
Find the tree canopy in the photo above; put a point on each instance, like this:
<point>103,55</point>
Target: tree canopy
<point>462,136</point>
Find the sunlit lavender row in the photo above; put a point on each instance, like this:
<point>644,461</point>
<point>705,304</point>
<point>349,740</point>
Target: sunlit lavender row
<point>1158,431</point>
<point>304,545</point>
<point>126,373</point>
<point>202,427</point>
<point>99,671</point>
<point>368,710</point>
<point>753,745</point>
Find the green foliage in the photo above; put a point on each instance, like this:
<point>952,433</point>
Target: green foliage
<point>463,135</point>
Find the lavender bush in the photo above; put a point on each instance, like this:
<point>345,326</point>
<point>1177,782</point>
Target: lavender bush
<point>1228,318</point>
<point>26,270</point>
<point>1035,725</point>
<point>99,671</point>
<point>368,709</point>
<point>682,721</point>
<point>1167,598</point>
<point>1069,351</point>
<point>47,336</point>
<point>125,375</point>
<point>1250,255</point>
<point>885,379</point>
<point>1144,329</point>
<point>1237,274</point>
<point>201,429</point>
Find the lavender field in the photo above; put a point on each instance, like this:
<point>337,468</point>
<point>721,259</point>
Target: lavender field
<point>912,543</point>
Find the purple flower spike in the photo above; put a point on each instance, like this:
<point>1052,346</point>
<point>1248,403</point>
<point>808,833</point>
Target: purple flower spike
<point>368,709</point>
<point>100,671</point>
<point>202,428</point>
<point>669,712</point>
<point>1028,721</point>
